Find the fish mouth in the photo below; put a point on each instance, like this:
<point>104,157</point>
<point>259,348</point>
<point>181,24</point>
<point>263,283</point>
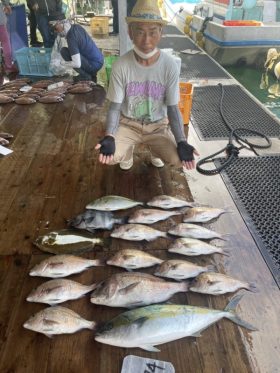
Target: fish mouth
<point>32,273</point>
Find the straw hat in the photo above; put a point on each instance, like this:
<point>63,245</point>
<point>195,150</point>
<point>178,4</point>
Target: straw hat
<point>146,11</point>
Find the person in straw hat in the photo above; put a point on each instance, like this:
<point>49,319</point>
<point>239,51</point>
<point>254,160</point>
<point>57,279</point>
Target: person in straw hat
<point>144,94</point>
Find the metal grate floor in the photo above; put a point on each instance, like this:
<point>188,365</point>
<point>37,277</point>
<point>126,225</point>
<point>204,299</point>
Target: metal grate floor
<point>253,183</point>
<point>239,108</point>
<point>171,30</point>
<point>177,43</point>
<point>200,66</point>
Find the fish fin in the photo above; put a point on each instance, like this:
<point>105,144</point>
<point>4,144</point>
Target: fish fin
<point>128,288</point>
<point>252,287</point>
<point>139,322</point>
<point>225,252</point>
<point>135,304</point>
<point>231,315</point>
<point>48,335</point>
<point>92,286</point>
<point>149,348</point>
<point>196,335</point>
<point>91,230</point>
<point>50,322</point>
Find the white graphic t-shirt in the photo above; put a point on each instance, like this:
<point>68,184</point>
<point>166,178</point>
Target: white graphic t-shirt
<point>144,91</point>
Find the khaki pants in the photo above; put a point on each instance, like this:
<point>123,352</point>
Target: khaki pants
<point>157,136</point>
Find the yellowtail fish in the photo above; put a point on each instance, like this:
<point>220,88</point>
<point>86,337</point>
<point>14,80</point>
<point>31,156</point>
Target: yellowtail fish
<point>137,232</point>
<point>180,269</point>
<point>194,247</point>
<point>133,289</point>
<point>194,231</point>
<point>63,265</point>
<point>57,320</point>
<point>168,202</point>
<point>58,291</point>
<point>67,241</point>
<point>218,283</point>
<point>202,214</point>
<point>112,203</point>
<point>147,327</point>
<point>133,259</point>
<point>150,216</point>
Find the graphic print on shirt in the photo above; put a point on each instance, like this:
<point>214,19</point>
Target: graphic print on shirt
<point>145,99</point>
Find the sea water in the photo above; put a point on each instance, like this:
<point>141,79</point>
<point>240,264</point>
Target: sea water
<point>263,86</point>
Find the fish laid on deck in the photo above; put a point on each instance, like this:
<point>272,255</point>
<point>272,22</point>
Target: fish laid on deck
<point>67,241</point>
<point>149,326</point>
<point>112,203</point>
<point>133,259</point>
<point>133,289</point>
<point>137,232</point>
<point>58,291</point>
<point>91,220</point>
<point>168,202</point>
<point>150,216</point>
<point>57,320</point>
<point>194,247</point>
<point>194,231</point>
<point>218,283</point>
<point>63,265</point>
<point>202,214</point>
<point>180,269</point>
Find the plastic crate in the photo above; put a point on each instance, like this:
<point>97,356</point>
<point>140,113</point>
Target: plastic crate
<point>109,60</point>
<point>185,103</point>
<point>100,26</point>
<point>34,61</point>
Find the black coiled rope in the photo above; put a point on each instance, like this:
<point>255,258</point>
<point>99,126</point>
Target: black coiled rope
<point>231,150</point>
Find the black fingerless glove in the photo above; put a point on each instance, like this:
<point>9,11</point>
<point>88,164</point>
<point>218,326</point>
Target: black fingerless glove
<point>108,146</point>
<point>185,151</point>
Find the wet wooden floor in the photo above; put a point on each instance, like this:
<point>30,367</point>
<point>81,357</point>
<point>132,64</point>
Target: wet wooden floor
<point>50,177</point>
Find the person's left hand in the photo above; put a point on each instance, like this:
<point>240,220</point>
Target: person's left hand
<point>186,154</point>
<point>7,9</point>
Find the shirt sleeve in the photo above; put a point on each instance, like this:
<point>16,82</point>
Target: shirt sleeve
<point>172,88</point>
<point>116,90</point>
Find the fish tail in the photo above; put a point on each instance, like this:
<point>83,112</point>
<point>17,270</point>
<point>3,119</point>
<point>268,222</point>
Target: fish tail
<point>98,262</point>
<point>231,313</point>
<point>92,286</point>
<point>225,252</point>
<point>211,268</point>
<point>185,285</point>
<point>122,220</point>
<point>92,325</point>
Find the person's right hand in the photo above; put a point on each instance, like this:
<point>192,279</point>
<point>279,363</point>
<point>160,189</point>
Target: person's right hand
<point>7,9</point>
<point>107,149</point>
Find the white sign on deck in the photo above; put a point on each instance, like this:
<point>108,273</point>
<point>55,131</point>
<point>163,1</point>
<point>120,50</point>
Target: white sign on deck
<point>5,151</point>
<point>136,364</point>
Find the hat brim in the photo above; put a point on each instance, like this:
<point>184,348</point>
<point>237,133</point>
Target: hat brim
<point>145,20</point>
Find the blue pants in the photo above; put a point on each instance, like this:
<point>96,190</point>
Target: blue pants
<point>45,30</point>
<point>88,68</point>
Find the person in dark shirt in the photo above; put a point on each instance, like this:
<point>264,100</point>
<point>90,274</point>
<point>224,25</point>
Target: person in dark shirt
<point>82,53</point>
<point>46,11</point>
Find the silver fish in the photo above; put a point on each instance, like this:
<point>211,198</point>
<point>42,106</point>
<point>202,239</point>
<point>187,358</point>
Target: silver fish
<point>137,232</point>
<point>133,259</point>
<point>194,247</point>
<point>62,265</point>
<point>218,283</point>
<point>180,269</point>
<point>112,203</point>
<point>146,327</point>
<point>202,214</point>
<point>91,220</point>
<point>150,216</point>
<point>194,231</point>
<point>67,241</point>
<point>133,289</point>
<point>57,320</point>
<point>168,202</point>
<point>58,291</point>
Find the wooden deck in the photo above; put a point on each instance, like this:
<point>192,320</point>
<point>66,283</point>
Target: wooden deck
<point>51,175</point>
